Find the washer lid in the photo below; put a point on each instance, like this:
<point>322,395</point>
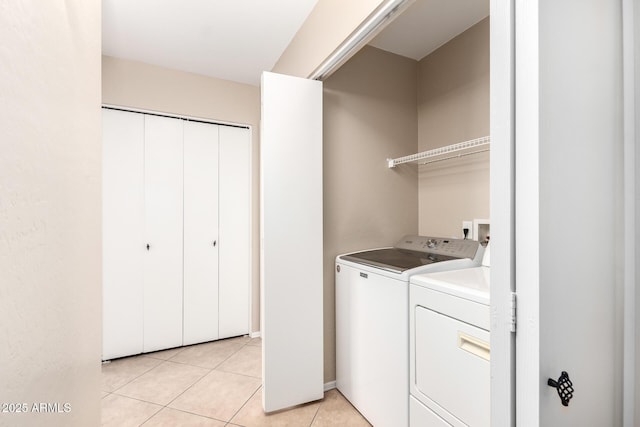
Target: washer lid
<point>395,260</point>
<point>417,251</point>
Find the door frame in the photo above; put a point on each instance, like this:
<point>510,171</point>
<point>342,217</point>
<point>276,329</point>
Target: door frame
<point>631,86</point>
<point>502,208</point>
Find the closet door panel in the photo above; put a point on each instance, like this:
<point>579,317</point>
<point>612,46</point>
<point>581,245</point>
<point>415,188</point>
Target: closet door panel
<point>163,229</point>
<point>200,232</point>
<point>122,232</point>
<point>291,231</point>
<point>235,228</point>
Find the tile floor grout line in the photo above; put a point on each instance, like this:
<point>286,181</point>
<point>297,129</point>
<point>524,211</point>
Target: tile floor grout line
<point>228,357</point>
<point>228,423</point>
<point>218,370</point>
<point>139,400</point>
<point>146,372</point>
<point>317,410</point>
<point>170,402</point>
<point>245,403</point>
<point>135,378</point>
<point>147,420</point>
<point>196,414</point>
<point>196,382</point>
<point>162,361</point>
<point>230,372</point>
<point>189,388</point>
<point>191,364</point>
<point>224,360</point>
<point>178,351</point>
<point>236,373</point>
<point>184,364</point>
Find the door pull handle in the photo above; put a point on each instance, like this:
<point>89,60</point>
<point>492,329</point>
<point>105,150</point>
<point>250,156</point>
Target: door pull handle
<point>563,386</point>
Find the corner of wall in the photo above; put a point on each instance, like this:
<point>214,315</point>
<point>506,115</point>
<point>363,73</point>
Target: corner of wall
<point>326,27</point>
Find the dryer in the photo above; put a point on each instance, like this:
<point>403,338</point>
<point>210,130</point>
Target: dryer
<point>372,320</point>
<point>449,348</point>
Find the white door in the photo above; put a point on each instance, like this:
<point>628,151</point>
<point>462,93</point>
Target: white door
<point>200,232</point>
<point>568,216</point>
<point>163,233</point>
<point>235,230</point>
<point>291,241</point>
<point>122,232</point>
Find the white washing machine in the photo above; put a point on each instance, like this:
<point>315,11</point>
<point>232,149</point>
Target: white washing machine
<point>372,320</point>
<point>449,348</point>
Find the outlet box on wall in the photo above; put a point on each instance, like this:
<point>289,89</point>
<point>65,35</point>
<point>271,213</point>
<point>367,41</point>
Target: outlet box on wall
<point>481,230</point>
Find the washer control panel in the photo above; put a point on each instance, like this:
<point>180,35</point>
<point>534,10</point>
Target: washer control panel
<point>457,248</point>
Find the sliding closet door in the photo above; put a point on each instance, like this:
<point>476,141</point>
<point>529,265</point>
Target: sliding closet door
<point>235,228</point>
<point>163,230</point>
<point>122,232</point>
<point>201,241</point>
<point>292,258</point>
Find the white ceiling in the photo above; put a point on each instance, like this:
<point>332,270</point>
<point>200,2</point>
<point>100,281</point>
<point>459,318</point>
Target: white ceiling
<point>228,39</point>
<point>238,39</point>
<point>428,24</point>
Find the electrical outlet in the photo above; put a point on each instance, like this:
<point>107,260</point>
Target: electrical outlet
<point>467,225</point>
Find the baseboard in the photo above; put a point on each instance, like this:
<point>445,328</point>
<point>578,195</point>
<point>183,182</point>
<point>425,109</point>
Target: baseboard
<point>256,334</point>
<point>329,386</point>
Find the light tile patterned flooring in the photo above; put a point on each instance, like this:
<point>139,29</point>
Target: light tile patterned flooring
<point>213,384</point>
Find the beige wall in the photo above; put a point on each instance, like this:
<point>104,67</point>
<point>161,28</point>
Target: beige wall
<point>453,106</point>
<point>369,115</point>
<point>50,227</point>
<point>328,25</point>
<point>143,86</point>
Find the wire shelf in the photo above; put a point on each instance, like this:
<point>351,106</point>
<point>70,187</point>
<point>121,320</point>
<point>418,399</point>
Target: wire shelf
<point>425,155</point>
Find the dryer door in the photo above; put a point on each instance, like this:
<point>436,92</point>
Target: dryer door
<point>452,367</point>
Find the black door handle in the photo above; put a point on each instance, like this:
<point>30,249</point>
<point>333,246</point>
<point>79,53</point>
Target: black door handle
<point>148,246</point>
<point>563,386</point>
<point>214,243</point>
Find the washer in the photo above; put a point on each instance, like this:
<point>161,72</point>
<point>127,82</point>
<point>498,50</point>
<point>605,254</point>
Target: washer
<point>372,320</point>
<point>449,348</point>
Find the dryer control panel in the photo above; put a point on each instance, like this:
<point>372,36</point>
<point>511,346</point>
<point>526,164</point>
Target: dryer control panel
<point>457,248</point>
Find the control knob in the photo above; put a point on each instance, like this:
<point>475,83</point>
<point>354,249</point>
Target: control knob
<point>432,243</point>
